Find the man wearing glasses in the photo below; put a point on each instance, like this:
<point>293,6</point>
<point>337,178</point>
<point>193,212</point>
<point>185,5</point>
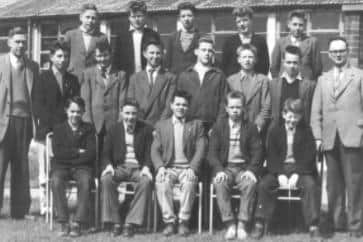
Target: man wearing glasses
<point>337,123</point>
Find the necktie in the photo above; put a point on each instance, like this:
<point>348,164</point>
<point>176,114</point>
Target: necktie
<point>151,79</point>
<point>337,82</point>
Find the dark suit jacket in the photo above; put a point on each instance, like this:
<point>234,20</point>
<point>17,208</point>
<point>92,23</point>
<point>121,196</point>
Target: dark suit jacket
<point>207,102</point>
<point>258,100</point>
<point>194,142</point>
<point>306,92</point>
<point>31,75</point>
<point>49,101</point>
<point>123,53</point>
<point>103,103</point>
<point>311,63</point>
<point>81,58</point>
<point>176,59</point>
<point>303,149</point>
<point>66,145</point>
<point>250,145</point>
<point>114,151</point>
<point>229,55</point>
<point>155,106</point>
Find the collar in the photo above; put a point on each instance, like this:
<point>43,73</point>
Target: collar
<point>199,66</point>
<point>108,69</point>
<point>244,74</point>
<point>14,59</point>
<point>289,130</point>
<point>193,30</point>
<point>56,71</point>
<point>341,69</point>
<point>156,69</point>
<point>132,29</point>
<point>175,120</point>
<point>233,124</point>
<point>288,78</point>
<point>125,128</point>
<point>243,37</point>
<point>294,39</point>
<point>90,32</point>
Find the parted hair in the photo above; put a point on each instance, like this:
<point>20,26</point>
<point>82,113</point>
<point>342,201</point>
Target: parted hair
<point>136,6</point>
<point>16,30</point>
<point>242,12</point>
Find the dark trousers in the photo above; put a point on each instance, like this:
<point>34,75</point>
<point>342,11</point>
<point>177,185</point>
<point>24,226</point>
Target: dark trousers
<point>224,191</point>
<point>14,149</point>
<point>139,203</point>
<point>267,194</point>
<point>83,177</point>
<point>345,174</point>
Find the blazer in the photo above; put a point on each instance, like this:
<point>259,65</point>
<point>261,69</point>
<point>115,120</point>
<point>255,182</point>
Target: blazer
<point>154,105</point>
<point>103,103</point>
<point>258,100</point>
<point>311,63</point>
<point>31,75</point>
<point>306,92</point>
<point>250,145</point>
<point>66,145</point>
<point>303,147</point>
<point>114,151</point>
<point>123,53</point>
<point>207,102</point>
<point>176,59</point>
<point>49,101</point>
<point>229,55</point>
<point>194,144</point>
<point>81,58</point>
<point>341,114</point>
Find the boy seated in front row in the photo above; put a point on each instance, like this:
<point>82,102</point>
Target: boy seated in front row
<point>290,164</point>
<point>177,152</point>
<point>235,154</point>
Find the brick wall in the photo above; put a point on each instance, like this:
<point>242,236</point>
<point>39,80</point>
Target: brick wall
<point>352,31</point>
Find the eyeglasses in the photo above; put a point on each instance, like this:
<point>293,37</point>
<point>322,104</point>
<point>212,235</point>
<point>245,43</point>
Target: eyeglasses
<point>335,52</point>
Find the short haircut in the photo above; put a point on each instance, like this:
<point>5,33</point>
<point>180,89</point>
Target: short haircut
<point>336,38</point>
<point>235,95</point>
<point>294,50</point>
<point>16,30</point>
<point>186,6</point>
<point>249,47</point>
<point>77,100</point>
<point>205,39</point>
<point>130,102</point>
<point>182,94</point>
<point>88,6</point>
<point>293,105</point>
<point>137,6</point>
<point>242,12</point>
<point>153,42</point>
<point>297,14</point>
<point>59,45</point>
<point>103,46</point>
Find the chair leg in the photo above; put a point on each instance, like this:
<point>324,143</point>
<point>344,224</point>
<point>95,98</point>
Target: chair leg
<point>211,209</point>
<point>149,214</point>
<point>51,210</point>
<point>155,213</point>
<point>200,208</point>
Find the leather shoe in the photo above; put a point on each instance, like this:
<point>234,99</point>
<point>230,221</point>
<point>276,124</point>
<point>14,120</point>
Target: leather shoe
<point>169,229</point>
<point>257,231</point>
<point>116,230</point>
<point>183,229</point>
<point>355,234</point>
<point>64,230</point>
<point>75,230</point>
<point>128,230</point>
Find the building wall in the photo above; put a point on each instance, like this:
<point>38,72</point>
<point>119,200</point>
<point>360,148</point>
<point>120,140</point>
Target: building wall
<point>323,23</point>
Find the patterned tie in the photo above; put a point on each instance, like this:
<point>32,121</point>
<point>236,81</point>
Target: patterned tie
<point>337,82</point>
<point>151,79</point>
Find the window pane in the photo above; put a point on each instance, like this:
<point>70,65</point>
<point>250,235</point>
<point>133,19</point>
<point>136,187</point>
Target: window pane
<point>224,21</point>
<point>4,46</point>
<point>323,39</point>
<point>260,23</point>
<point>166,23</point>
<point>220,38</point>
<point>118,25</point>
<point>203,22</point>
<point>50,29</point>
<point>47,43</point>
<point>325,19</point>
<point>68,24</point>
<point>44,61</point>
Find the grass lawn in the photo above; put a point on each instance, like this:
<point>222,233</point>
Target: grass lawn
<point>38,231</point>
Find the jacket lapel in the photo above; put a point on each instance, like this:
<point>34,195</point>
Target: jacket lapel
<point>99,78</point>
<point>80,40</point>
<point>255,84</point>
<point>29,76</point>
<point>158,85</point>
<point>6,70</point>
<point>112,79</point>
<point>348,76</point>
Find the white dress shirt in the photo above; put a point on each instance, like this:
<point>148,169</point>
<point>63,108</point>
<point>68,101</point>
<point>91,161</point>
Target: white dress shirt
<point>137,41</point>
